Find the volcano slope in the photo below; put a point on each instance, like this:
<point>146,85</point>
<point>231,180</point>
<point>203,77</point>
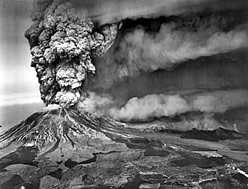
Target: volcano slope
<point>63,146</point>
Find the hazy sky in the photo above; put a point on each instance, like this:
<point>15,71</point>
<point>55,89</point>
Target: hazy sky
<point>17,78</point>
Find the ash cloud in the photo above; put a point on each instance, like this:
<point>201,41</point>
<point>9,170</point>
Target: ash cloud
<point>144,52</point>
<point>161,105</point>
<point>67,36</point>
<point>176,41</point>
<point>62,46</point>
<point>109,11</point>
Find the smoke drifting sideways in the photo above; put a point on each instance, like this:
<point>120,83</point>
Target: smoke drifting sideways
<point>112,11</point>
<point>66,36</point>
<point>175,42</point>
<point>167,35</point>
<point>161,105</point>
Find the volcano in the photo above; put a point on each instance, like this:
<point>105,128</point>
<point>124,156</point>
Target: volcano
<point>137,95</point>
<point>66,148</point>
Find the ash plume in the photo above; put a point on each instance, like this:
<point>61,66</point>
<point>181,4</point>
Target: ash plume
<point>72,40</point>
<point>62,46</point>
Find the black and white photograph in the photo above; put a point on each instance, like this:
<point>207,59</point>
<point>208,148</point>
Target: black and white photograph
<point>123,94</point>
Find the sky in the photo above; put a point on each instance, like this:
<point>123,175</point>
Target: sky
<point>17,79</point>
<point>19,88</point>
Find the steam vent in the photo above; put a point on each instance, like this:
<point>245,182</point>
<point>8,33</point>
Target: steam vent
<point>138,94</point>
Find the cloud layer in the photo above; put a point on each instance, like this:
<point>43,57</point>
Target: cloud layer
<point>160,105</point>
<point>144,52</point>
<point>108,11</point>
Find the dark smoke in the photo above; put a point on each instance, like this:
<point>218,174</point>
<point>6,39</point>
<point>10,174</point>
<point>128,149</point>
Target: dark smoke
<point>68,36</point>
<point>62,46</point>
<point>109,11</point>
<point>145,46</point>
<point>177,41</point>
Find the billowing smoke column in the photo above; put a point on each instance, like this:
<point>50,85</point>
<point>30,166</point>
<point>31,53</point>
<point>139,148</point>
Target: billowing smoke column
<point>65,43</point>
<point>62,46</point>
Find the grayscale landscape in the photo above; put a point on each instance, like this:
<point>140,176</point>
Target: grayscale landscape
<point>126,94</point>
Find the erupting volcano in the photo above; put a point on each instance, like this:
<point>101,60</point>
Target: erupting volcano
<point>136,92</point>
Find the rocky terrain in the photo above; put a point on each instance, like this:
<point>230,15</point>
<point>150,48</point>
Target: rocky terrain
<point>75,150</point>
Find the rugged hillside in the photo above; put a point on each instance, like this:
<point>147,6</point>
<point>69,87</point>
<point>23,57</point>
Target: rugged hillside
<point>63,148</point>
